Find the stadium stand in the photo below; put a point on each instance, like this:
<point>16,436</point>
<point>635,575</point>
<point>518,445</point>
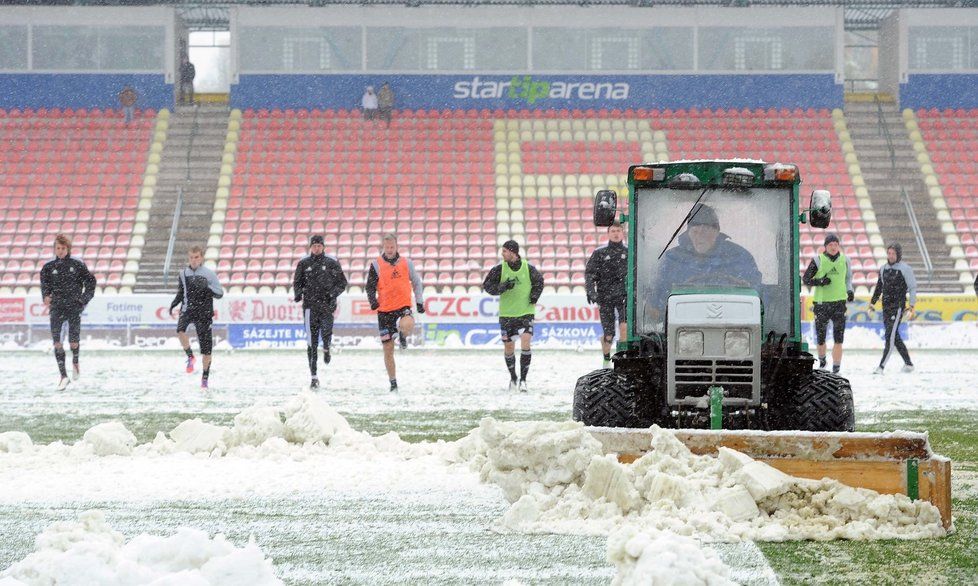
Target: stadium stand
<point>72,171</point>
<point>455,184</point>
<point>951,140</point>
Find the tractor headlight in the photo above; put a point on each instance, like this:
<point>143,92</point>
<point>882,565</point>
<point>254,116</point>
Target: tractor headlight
<point>736,343</point>
<point>689,342</point>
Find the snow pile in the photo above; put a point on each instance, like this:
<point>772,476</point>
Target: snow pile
<point>308,419</point>
<point>89,551</point>
<point>663,559</point>
<point>558,480</point>
<point>110,439</point>
<point>15,442</point>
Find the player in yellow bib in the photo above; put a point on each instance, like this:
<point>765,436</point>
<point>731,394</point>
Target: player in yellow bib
<point>519,286</point>
<point>831,276</point>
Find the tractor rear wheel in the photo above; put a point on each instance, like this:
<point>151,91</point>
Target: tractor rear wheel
<point>824,403</point>
<point>604,398</point>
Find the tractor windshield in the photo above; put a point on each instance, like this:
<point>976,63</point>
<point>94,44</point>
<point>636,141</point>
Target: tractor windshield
<point>737,239</point>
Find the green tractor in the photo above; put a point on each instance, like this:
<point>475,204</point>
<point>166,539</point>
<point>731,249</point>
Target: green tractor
<point>714,312</point>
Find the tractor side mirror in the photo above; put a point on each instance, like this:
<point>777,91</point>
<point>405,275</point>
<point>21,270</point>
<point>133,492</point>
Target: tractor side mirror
<point>605,207</point>
<point>820,209</point>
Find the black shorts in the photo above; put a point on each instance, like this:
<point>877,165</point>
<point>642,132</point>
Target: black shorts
<point>513,327</point>
<point>609,321</point>
<point>202,326</point>
<point>65,324</point>
<point>387,322</point>
<point>835,312</point>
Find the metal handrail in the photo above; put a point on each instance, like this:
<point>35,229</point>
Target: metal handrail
<point>917,233</point>
<point>190,144</point>
<point>884,130</point>
<point>173,237</point>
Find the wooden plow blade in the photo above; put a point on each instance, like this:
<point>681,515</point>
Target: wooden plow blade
<point>889,463</point>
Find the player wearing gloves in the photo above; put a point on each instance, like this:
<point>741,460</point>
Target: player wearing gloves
<point>604,280</point>
<point>318,281</point>
<point>831,276</point>
<point>67,286</point>
<point>519,286</point>
<point>390,281</point>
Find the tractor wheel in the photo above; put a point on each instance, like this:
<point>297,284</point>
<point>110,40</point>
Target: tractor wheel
<point>824,403</point>
<point>603,398</point>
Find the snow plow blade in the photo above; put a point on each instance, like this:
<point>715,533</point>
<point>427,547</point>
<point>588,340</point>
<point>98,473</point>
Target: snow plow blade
<point>889,463</point>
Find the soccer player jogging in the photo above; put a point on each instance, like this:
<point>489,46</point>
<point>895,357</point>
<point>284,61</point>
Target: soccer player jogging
<point>895,282</point>
<point>519,286</point>
<point>831,276</point>
<point>390,281</point>
<point>318,281</point>
<point>67,286</point>
<point>198,288</point>
<point>604,280</point>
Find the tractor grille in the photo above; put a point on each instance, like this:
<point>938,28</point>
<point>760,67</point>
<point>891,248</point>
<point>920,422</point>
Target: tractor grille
<point>694,377</point>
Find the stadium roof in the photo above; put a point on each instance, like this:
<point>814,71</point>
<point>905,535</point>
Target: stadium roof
<point>205,14</point>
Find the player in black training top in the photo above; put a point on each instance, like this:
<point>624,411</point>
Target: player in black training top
<point>318,281</point>
<point>197,291</point>
<point>67,286</point>
<point>604,280</point>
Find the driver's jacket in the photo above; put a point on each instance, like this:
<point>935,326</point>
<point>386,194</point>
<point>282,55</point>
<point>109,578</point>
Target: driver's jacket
<point>727,264</point>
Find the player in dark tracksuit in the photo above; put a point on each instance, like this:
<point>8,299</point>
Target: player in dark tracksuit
<point>67,286</point>
<point>604,281</point>
<point>197,290</point>
<point>896,282</point>
<point>318,281</point>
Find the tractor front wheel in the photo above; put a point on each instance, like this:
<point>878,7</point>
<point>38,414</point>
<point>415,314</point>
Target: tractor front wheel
<point>824,403</point>
<point>604,398</point>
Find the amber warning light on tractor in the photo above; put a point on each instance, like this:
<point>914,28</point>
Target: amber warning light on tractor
<point>648,173</point>
<point>778,172</point>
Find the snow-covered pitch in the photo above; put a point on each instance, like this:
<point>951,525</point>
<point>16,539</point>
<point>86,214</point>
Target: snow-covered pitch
<point>330,496</point>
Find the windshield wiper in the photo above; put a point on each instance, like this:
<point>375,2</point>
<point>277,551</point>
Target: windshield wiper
<point>689,216</point>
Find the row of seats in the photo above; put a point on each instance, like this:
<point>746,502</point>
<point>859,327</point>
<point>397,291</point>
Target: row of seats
<point>73,171</point>
<point>951,137</point>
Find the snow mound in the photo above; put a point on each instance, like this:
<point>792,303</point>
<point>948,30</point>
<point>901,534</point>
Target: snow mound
<point>663,559</point>
<point>255,425</point>
<point>110,439</point>
<point>308,419</point>
<point>89,551</point>
<point>15,442</point>
<point>195,436</point>
<point>558,480</point>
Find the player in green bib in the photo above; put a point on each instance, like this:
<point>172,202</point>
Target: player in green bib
<point>519,286</point>
<point>831,276</point>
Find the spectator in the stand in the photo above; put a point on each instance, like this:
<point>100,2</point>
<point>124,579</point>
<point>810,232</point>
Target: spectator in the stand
<point>385,99</point>
<point>187,74</point>
<point>127,99</point>
<point>369,104</point>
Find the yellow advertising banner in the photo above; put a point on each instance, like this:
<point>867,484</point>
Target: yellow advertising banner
<point>929,308</point>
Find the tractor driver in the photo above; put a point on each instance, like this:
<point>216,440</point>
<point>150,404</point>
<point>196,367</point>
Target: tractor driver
<point>703,256</point>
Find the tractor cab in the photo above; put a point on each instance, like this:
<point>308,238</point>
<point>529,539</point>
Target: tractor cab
<point>714,295</point>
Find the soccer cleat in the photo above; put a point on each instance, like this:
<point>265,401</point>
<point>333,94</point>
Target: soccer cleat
<point>326,355</point>
<point>822,364</point>
<point>403,340</point>
<point>65,381</point>
<point>907,368</point>
<point>836,368</point>
<point>76,373</point>
<point>513,386</point>
<point>878,370</point>
<point>314,384</point>
<point>203,383</point>
<point>393,386</point>
<point>523,388</point>
<point>191,361</point>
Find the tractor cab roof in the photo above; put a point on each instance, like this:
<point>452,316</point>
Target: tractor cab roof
<point>734,173</point>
